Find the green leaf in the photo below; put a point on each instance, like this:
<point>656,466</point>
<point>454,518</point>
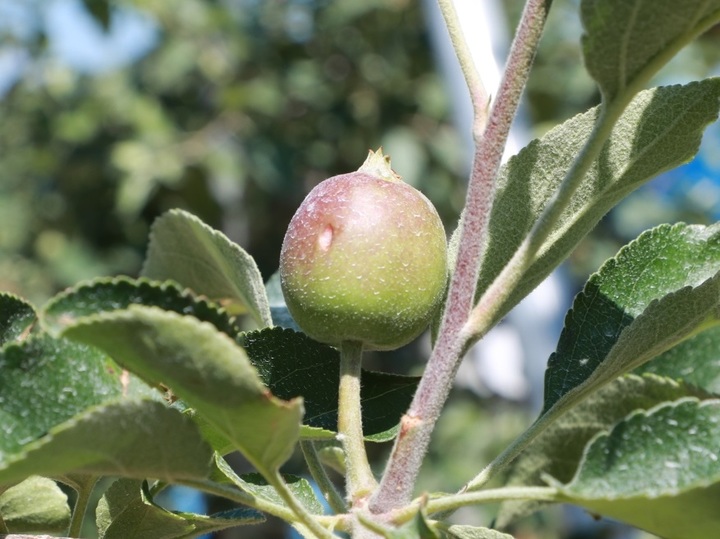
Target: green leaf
<point>209,432</point>
<point>472,532</point>
<point>186,250</point>
<point>16,318</point>
<point>128,438</point>
<point>559,449</point>
<point>417,528</point>
<point>35,505</point>
<point>696,361</point>
<point>333,456</point>
<point>659,290</point>
<point>291,365</point>
<point>625,43</point>
<point>658,470</point>
<point>46,381</point>
<point>126,510</point>
<point>660,129</point>
<point>107,295</point>
<point>256,485</point>
<point>206,369</point>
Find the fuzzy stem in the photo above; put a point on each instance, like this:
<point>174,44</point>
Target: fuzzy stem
<point>478,94</point>
<point>317,470</point>
<point>411,444</point>
<point>486,312</point>
<point>301,514</point>
<point>78,514</point>
<point>236,495</point>
<point>491,304</point>
<point>367,528</point>
<point>3,526</point>
<point>455,501</point>
<point>360,479</point>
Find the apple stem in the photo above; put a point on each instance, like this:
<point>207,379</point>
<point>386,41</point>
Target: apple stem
<point>359,478</point>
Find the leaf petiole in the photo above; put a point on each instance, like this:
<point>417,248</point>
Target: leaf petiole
<point>80,509</point>
<point>319,474</point>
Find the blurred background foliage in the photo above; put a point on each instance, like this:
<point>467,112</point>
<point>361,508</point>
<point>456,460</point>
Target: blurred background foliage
<point>234,110</point>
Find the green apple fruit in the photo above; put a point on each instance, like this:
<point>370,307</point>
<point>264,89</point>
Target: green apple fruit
<point>364,259</point>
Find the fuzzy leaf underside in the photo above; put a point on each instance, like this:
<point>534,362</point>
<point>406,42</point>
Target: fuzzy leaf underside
<point>130,438</point>
<point>206,369</point>
<point>115,294</point>
<point>472,532</point>
<point>659,130</point>
<point>16,318</point>
<point>625,43</point>
<point>35,505</point>
<point>658,470</point>
<point>558,450</point>
<point>126,510</point>
<point>186,250</point>
<point>659,290</point>
<point>256,485</point>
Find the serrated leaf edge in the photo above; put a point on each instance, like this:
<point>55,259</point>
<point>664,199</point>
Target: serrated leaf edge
<point>263,304</point>
<point>134,283</point>
<point>48,437</point>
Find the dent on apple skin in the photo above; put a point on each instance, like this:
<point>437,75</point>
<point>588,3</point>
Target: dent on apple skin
<point>364,259</point>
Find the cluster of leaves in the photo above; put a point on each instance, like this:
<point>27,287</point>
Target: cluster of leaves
<point>71,412</point>
<point>109,422</point>
<point>103,421</point>
<point>152,380</point>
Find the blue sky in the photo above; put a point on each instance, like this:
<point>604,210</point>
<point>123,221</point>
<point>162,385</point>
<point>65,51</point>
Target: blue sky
<point>74,37</point>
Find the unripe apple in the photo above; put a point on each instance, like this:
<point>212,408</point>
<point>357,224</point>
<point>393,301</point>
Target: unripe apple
<point>364,259</point>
